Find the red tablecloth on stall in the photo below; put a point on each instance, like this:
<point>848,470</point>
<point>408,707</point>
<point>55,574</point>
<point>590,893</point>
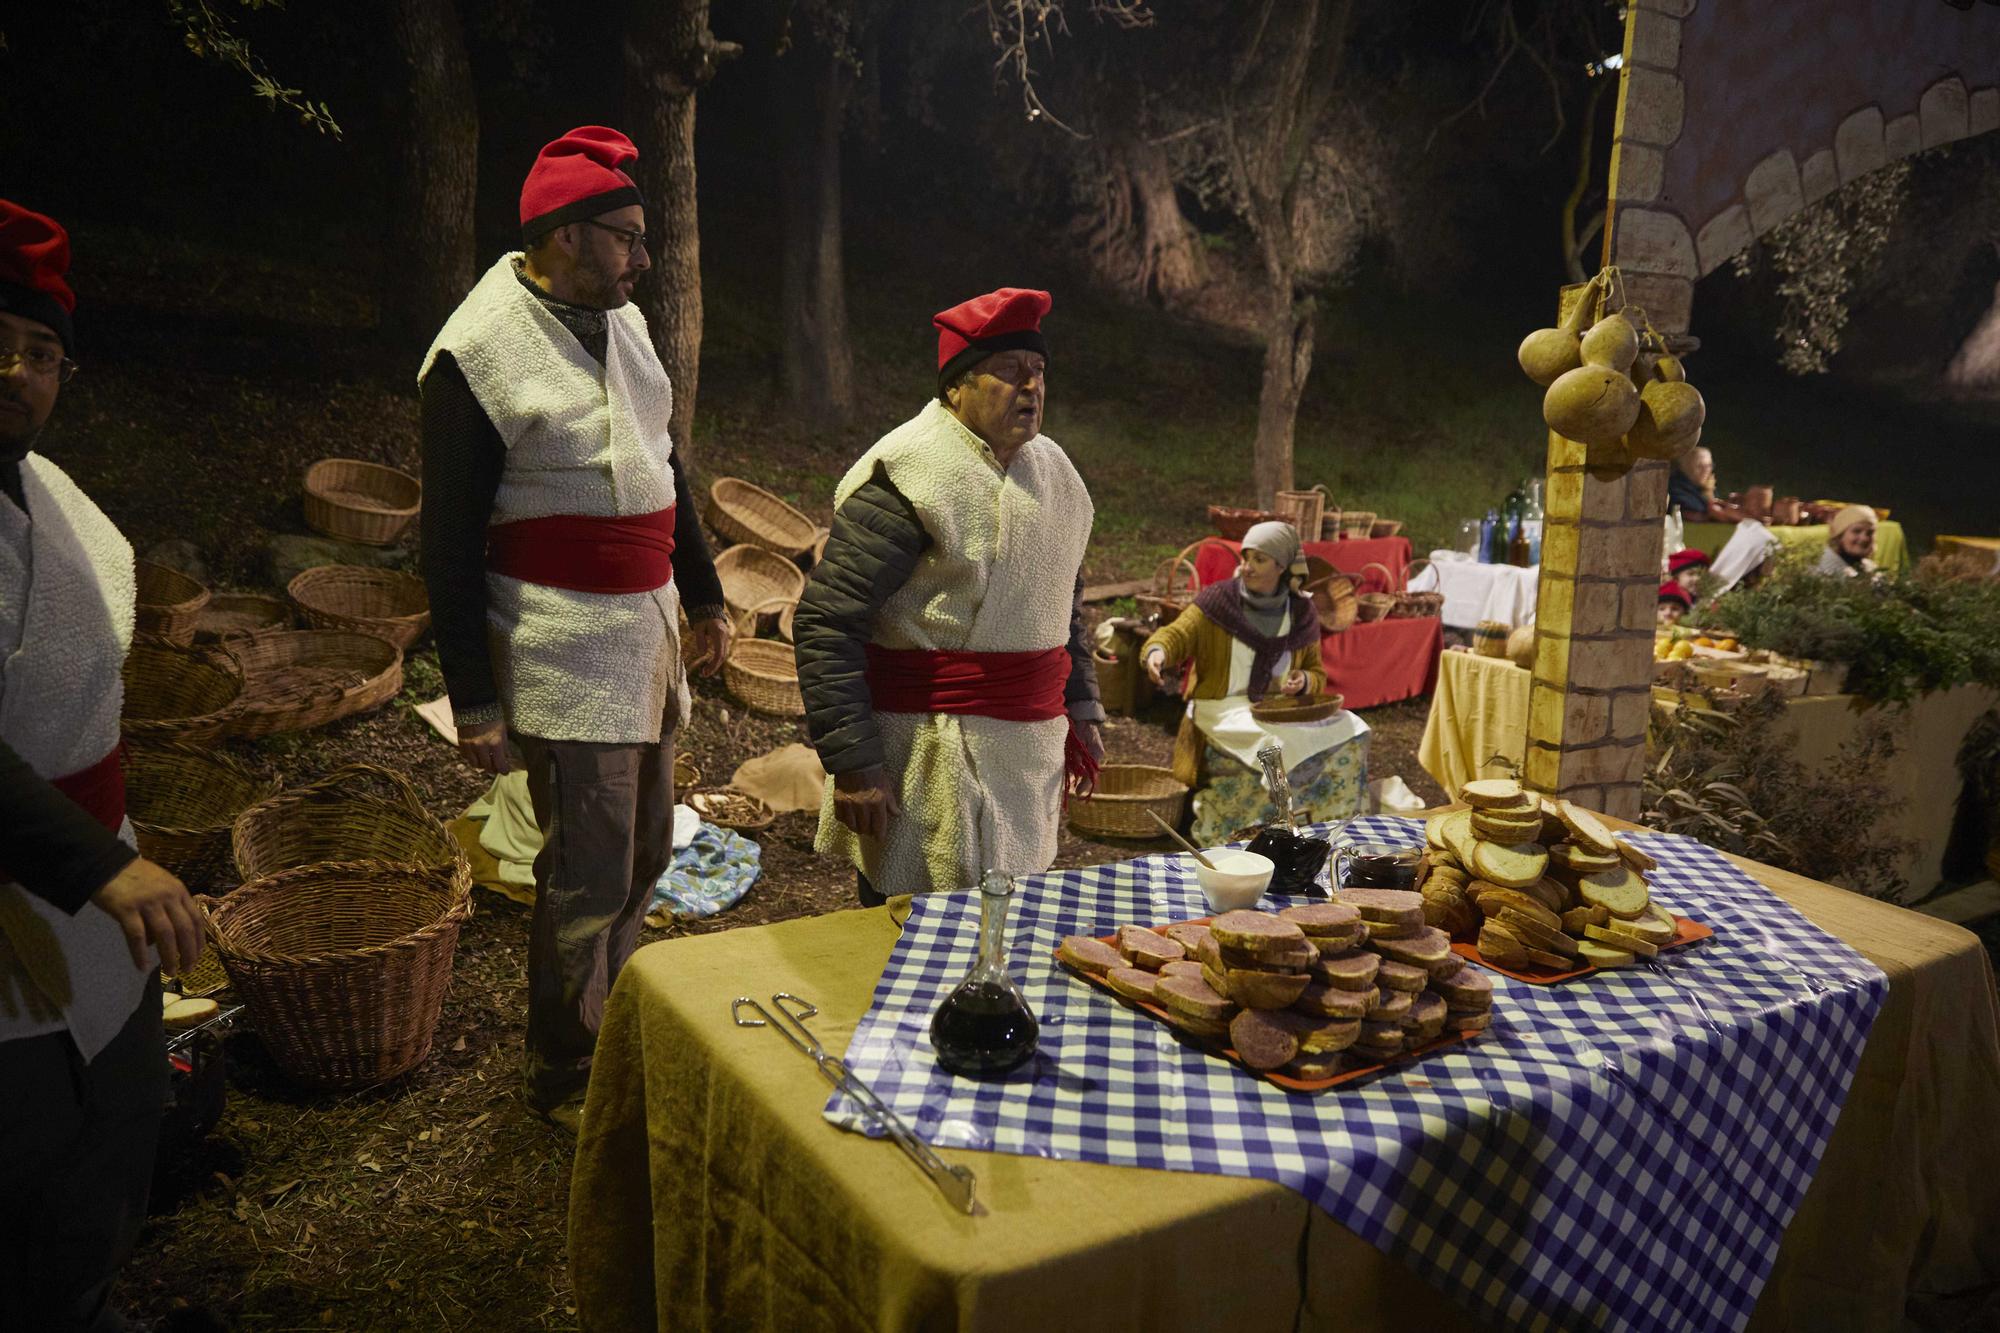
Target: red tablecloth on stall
<point>1378,662</point>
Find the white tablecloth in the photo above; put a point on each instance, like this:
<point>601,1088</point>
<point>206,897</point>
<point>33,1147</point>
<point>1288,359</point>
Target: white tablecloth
<point>1474,592</point>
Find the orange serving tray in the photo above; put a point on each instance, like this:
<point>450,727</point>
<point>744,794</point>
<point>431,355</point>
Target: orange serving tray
<point>1691,932</point>
<point>1286,1081</point>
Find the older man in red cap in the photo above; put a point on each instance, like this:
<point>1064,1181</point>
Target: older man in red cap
<point>560,547</point>
<point>83,1062</point>
<point>942,651</point>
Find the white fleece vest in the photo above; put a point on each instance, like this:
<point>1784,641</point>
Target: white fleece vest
<point>1000,576</point>
<point>581,439</point>
<point>66,602</point>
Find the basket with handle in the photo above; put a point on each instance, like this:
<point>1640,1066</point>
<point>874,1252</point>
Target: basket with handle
<point>183,799</point>
<point>169,602</point>
<point>740,512</point>
<point>343,966</point>
<point>687,773</point>
<point>230,613</point>
<point>1230,523</point>
<point>1175,583</point>
<point>1412,605</point>
<point>752,575</point>
<point>358,812</point>
<point>1302,509</point>
<point>1125,792</point>
<point>765,676</point>
<point>752,618</point>
<point>297,679</point>
<point>387,603</point>
<point>358,501</point>
<point>1335,596</point>
<point>1377,605</point>
<point>179,694</point>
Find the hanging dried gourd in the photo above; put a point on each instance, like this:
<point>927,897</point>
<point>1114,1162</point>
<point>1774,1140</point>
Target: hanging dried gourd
<point>1612,384</point>
<point>1548,354</point>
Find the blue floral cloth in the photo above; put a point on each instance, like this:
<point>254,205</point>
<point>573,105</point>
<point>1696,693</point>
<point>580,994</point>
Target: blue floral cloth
<point>709,874</point>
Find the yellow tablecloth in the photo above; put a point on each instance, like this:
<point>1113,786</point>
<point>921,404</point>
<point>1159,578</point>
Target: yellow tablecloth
<point>1892,552</point>
<point>709,1193</point>
<point>1478,710</point>
<point>1986,546</point>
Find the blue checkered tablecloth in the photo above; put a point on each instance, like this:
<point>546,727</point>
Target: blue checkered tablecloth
<point>1621,1151</point>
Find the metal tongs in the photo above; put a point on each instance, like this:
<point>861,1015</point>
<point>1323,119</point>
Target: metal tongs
<point>954,1182</point>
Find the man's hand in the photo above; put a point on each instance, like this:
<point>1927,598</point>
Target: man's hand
<point>1092,736</point>
<point>708,646</point>
<point>1295,682</point>
<point>865,802</point>
<point>486,748</point>
<point>1154,661</point>
<point>152,907</point>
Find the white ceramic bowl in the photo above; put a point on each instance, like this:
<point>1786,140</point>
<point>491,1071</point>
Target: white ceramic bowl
<point>1238,880</point>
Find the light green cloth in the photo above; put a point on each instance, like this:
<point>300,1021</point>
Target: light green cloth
<point>510,835</point>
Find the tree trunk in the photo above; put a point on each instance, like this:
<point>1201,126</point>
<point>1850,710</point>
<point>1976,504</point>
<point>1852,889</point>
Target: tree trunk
<point>1288,353</point>
<point>1172,262</point>
<point>669,55</point>
<point>436,171</point>
<point>1974,370</point>
<point>819,363</point>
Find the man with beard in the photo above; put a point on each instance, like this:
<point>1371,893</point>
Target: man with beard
<point>559,544</point>
<point>83,1060</point>
<point>942,652</point>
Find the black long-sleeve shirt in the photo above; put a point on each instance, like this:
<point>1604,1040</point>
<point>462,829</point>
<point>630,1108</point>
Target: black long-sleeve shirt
<point>464,457</point>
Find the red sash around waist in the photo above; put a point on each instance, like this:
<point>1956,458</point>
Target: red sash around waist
<point>632,553</point>
<point>99,789</point>
<point>1013,687</point>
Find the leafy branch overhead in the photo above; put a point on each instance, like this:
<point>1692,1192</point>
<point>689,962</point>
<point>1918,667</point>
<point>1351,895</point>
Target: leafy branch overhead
<point>209,36</point>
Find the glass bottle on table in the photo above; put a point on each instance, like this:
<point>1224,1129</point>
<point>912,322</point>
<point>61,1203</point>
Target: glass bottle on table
<point>1493,548</point>
<point>984,1028</point>
<point>1532,518</point>
<point>1517,545</point>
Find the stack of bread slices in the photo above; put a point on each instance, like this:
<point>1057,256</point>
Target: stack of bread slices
<point>1539,883</point>
<point>1309,990</point>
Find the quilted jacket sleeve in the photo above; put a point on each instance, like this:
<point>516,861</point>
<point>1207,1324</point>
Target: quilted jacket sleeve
<point>876,540</point>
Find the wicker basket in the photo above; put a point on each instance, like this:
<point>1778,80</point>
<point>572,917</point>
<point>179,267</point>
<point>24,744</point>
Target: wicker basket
<point>387,603</point>
<point>765,676</point>
<point>169,602</point>
<point>740,512</point>
<point>1125,792</point>
<point>752,576</point>
<point>1356,524</point>
<point>1302,509</point>
<point>310,677</point>
<point>1334,595</point>
<point>234,613</point>
<point>179,694</point>
<point>785,619</point>
<point>1377,605</point>
<point>360,502</point>
<point>1412,605</point>
<point>1329,524</point>
<point>687,773</point>
<point>1175,583</point>
<point>342,818</point>
<point>182,800</point>
<point>343,966</point>
<point>779,609</point>
<point>730,808</point>
<point>1230,523</point>
<point>1489,638</point>
<point>1385,527</point>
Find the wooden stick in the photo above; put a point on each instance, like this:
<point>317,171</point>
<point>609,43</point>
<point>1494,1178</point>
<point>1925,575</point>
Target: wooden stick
<point>1179,839</point>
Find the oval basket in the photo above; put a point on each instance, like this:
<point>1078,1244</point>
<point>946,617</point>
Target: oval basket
<point>780,611</point>
<point>169,602</point>
<point>232,613</point>
<point>1356,524</point>
<point>360,502</point>
<point>1175,583</point>
<point>1412,605</point>
<point>179,694</point>
<point>1385,527</point>
<point>741,512</point>
<point>1231,523</point>
<point>182,800</point>
<point>731,808</point>
<point>1117,809</point>
<point>359,812</point>
<point>342,965</point>
<point>310,677</point>
<point>386,603</point>
<point>752,576</point>
<point>1334,595</point>
<point>687,773</point>
<point>765,676</point>
<point>1376,605</point>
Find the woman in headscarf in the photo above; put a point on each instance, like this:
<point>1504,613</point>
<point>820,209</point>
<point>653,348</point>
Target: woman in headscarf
<point>1250,638</point>
<point>1850,545</point>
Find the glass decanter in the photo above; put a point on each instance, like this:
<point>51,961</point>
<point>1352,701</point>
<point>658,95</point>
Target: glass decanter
<point>1295,858</point>
<point>984,1027</point>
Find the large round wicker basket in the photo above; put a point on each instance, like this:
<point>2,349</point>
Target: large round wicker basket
<point>179,694</point>
<point>765,675</point>
<point>359,812</point>
<point>182,800</point>
<point>234,613</point>
<point>387,603</point>
<point>1333,595</point>
<point>752,576</point>
<point>1125,792</point>
<point>343,966</point>
<point>360,502</point>
<point>169,602</point>
<point>740,512</point>
<point>310,677</point>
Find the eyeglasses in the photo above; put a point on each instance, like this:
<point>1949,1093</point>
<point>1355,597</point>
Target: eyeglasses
<point>40,361</point>
<point>635,241</point>
<point>1017,373</point>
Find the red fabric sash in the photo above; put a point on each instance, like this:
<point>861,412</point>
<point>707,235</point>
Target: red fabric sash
<point>633,553</point>
<point>1013,687</point>
<point>99,789</point>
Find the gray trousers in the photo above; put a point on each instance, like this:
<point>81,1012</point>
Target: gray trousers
<point>76,1164</point>
<point>606,814</point>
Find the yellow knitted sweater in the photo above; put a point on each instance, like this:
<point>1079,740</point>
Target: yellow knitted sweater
<point>1194,635</point>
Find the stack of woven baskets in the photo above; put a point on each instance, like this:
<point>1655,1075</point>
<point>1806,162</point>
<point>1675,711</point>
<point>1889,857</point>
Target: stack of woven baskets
<point>766,541</point>
<point>340,941</point>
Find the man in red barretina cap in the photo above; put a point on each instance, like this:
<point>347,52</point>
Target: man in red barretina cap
<point>560,545</point>
<point>942,650</point>
<point>84,919</point>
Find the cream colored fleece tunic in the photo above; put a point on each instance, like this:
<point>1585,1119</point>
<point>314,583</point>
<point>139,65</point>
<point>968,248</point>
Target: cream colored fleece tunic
<point>999,576</point>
